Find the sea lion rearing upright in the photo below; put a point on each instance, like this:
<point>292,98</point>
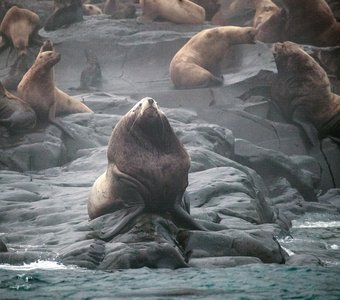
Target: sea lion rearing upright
<point>303,92</point>
<point>147,169</point>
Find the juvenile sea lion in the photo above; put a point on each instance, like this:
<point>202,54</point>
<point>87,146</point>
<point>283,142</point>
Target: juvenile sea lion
<point>19,27</point>
<point>303,92</point>
<point>91,75</point>
<point>120,10</point>
<point>15,114</point>
<point>176,11</point>
<point>197,63</point>
<point>37,88</point>
<point>147,169</point>
<point>65,14</point>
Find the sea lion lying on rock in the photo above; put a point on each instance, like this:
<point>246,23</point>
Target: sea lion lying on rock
<point>176,11</point>
<point>15,114</point>
<point>303,92</point>
<point>147,170</point>
<point>38,89</point>
<point>20,27</point>
<point>65,14</point>
<point>197,63</point>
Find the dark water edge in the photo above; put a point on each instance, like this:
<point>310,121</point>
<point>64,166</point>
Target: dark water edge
<point>247,282</point>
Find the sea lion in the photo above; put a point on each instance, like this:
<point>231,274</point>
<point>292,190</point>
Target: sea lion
<point>91,10</point>
<point>211,7</point>
<point>15,114</point>
<point>147,169</point>
<point>310,22</point>
<point>91,75</point>
<point>120,10</point>
<point>197,63</point>
<point>176,11</point>
<point>65,14</point>
<point>16,72</point>
<point>303,92</point>
<point>20,26</point>
<point>264,10</point>
<point>37,88</point>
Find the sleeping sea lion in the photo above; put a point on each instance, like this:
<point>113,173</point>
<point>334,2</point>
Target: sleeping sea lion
<point>147,169</point>
<point>15,114</point>
<point>20,27</point>
<point>303,92</point>
<point>176,11</point>
<point>197,63</point>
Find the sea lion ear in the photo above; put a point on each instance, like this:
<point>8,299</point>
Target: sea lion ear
<point>47,46</point>
<point>2,89</point>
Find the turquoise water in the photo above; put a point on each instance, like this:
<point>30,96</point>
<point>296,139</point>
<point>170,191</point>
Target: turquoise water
<point>246,282</point>
<point>315,234</point>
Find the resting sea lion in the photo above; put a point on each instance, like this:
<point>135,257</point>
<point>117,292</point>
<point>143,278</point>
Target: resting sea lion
<point>66,14</point>
<point>19,27</point>
<point>303,92</point>
<point>37,88</point>
<point>197,63</point>
<point>15,114</point>
<point>176,11</point>
<point>147,169</point>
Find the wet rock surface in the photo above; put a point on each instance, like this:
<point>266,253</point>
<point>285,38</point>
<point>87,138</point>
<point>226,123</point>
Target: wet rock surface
<point>251,172</point>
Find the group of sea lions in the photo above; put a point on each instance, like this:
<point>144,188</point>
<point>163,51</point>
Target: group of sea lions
<point>147,164</point>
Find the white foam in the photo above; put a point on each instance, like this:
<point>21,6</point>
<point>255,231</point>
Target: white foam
<point>317,224</point>
<point>40,264</point>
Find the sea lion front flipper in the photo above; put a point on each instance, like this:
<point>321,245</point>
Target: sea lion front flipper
<point>183,219</point>
<point>109,234</point>
<point>299,117</point>
<point>54,121</point>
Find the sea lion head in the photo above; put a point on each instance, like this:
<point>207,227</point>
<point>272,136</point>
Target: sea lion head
<point>47,56</point>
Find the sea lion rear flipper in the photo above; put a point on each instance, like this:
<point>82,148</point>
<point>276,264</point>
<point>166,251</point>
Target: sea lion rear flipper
<point>109,234</point>
<point>299,117</point>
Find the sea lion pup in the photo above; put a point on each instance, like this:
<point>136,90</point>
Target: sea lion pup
<point>197,63</point>
<point>147,169</point>
<point>176,11</point>
<point>303,92</point>
<point>67,13</point>
<point>38,89</point>
<point>311,22</point>
<point>20,26</point>
<point>91,75</point>
<point>120,10</point>
<point>15,114</point>
<point>16,72</point>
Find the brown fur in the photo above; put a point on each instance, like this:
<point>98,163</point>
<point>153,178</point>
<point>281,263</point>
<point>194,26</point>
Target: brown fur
<point>197,63</point>
<point>147,168</point>
<point>265,9</point>
<point>15,114</point>
<point>303,83</point>
<point>37,88</point>
<point>19,25</point>
<point>91,10</point>
<point>176,11</point>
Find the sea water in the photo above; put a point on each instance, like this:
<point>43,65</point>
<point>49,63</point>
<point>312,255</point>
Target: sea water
<point>314,234</point>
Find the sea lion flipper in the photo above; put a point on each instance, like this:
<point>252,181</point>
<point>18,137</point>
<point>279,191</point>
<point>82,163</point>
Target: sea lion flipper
<point>107,235</point>
<point>183,219</point>
<point>299,117</point>
<point>54,121</point>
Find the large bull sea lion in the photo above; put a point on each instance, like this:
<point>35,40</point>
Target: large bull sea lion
<point>147,169</point>
<point>197,63</point>
<point>303,92</point>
